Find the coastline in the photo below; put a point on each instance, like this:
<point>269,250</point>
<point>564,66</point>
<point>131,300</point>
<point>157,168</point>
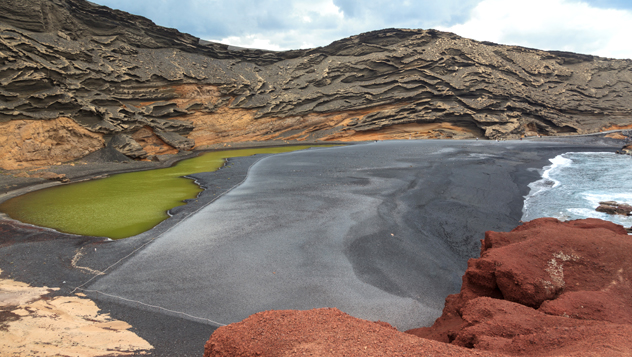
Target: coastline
<point>29,244</point>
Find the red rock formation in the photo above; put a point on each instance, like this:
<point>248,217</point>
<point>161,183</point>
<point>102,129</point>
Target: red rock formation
<point>547,288</point>
<point>320,332</point>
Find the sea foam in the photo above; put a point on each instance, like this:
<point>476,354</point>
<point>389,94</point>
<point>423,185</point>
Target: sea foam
<point>574,184</point>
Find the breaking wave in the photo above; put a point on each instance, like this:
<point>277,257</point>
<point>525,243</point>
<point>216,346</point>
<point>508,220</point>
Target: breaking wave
<point>574,184</point>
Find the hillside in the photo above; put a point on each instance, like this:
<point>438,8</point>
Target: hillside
<point>75,77</point>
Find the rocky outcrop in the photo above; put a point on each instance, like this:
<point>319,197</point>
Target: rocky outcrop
<point>126,145</point>
<point>28,143</point>
<point>115,73</point>
<point>613,207</point>
<point>547,288</point>
<point>320,332</point>
<point>175,140</point>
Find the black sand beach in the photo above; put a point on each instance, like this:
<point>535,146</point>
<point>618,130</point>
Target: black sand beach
<point>380,230</point>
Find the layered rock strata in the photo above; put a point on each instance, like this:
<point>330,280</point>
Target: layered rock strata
<point>547,288</point>
<point>114,73</point>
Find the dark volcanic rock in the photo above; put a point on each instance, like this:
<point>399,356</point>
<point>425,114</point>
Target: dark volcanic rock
<point>112,72</point>
<point>174,139</point>
<point>126,145</point>
<point>106,154</point>
<point>612,207</point>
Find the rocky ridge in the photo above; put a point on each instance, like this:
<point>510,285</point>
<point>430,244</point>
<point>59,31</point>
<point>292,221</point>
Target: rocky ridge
<point>115,74</point>
<point>547,288</point>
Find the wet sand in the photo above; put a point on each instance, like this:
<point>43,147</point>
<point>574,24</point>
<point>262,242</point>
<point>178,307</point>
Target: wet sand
<point>379,230</point>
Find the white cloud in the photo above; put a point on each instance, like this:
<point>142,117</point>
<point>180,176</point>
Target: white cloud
<point>271,41</point>
<point>322,7</point>
<point>550,25</point>
<point>256,41</point>
<point>293,24</point>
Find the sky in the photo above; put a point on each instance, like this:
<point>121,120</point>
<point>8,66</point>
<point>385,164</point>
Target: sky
<point>597,27</point>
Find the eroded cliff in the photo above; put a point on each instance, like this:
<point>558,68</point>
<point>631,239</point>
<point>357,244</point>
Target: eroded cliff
<point>115,74</point>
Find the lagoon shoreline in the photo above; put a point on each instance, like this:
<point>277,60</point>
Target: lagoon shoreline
<point>24,248</point>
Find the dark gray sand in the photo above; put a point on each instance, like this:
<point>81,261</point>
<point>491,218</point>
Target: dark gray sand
<point>380,230</point>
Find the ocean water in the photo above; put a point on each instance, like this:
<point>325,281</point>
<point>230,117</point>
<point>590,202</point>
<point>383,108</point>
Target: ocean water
<point>574,184</point>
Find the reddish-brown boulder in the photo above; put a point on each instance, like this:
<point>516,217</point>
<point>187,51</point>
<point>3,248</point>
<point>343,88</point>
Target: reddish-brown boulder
<point>514,329</point>
<point>545,288</point>
<point>321,332</point>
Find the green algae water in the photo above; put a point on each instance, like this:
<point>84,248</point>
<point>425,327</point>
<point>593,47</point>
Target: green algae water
<point>122,205</point>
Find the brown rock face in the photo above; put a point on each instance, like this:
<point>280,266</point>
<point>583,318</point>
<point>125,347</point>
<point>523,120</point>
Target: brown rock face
<point>612,207</point>
<point>115,73</point>
<point>28,143</point>
<point>547,288</point>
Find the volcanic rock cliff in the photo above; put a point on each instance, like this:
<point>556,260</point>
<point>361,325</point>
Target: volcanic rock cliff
<point>547,288</point>
<point>73,75</point>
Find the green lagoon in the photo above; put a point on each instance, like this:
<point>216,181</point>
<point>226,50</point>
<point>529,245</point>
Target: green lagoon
<point>122,205</point>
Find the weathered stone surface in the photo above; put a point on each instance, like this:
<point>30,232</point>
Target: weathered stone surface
<point>545,288</point>
<point>151,143</point>
<point>106,154</point>
<point>612,207</point>
<point>28,143</point>
<point>321,332</point>
<point>112,72</point>
<point>126,145</point>
<point>176,140</point>
<point>52,176</point>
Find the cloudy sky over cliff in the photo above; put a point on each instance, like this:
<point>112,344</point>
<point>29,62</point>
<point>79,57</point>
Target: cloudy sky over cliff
<point>599,27</point>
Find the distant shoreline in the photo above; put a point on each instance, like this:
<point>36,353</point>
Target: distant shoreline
<point>80,170</point>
